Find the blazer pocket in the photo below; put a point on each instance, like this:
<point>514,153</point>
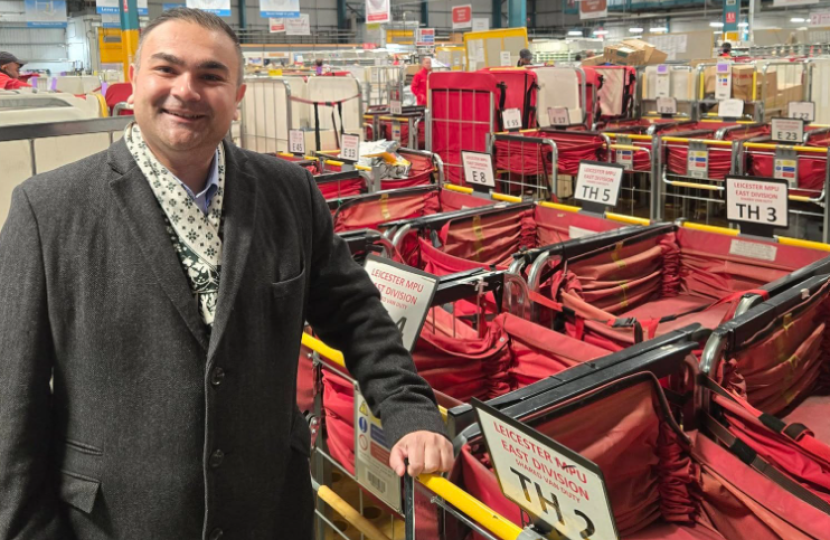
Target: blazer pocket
<point>284,288</point>
<point>78,491</point>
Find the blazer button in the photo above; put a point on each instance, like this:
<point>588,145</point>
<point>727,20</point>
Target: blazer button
<point>216,459</point>
<point>216,534</point>
<point>217,377</point>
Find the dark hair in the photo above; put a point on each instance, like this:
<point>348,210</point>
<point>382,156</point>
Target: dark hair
<point>319,62</point>
<point>204,19</point>
<point>578,57</point>
<point>727,47</point>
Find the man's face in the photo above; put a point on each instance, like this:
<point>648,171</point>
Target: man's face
<point>185,92</point>
<point>427,63</point>
<point>12,69</point>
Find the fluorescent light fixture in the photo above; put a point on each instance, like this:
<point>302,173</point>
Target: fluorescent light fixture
<point>636,30</point>
<point>600,32</point>
<point>797,19</point>
<point>656,29</point>
<point>716,24</point>
<point>575,33</point>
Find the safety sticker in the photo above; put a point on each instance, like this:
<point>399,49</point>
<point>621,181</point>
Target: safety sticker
<point>372,456</point>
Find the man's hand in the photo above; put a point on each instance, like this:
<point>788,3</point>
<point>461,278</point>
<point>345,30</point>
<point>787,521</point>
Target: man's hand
<point>427,452</point>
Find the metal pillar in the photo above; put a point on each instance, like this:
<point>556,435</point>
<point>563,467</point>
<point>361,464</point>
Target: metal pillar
<point>516,13</point>
<point>342,21</point>
<point>243,16</point>
<point>496,13</point>
<point>424,13</point>
<point>129,33</point>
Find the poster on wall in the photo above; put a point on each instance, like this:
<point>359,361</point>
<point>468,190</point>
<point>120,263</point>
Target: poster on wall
<point>110,7</point>
<point>300,26</point>
<point>481,24</point>
<point>462,16</point>
<point>378,11</point>
<point>279,9</point>
<point>593,9</point>
<point>45,14</point>
<point>217,7</point>
<point>276,26</point>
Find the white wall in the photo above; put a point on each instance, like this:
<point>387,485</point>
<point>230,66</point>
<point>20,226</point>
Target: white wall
<point>42,48</point>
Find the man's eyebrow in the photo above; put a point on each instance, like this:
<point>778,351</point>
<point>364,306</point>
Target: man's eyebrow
<point>213,64</point>
<point>168,58</point>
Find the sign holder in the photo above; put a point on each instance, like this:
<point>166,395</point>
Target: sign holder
<point>757,205</point>
<point>350,147</point>
<point>598,185</point>
<point>575,516</point>
<point>787,130</point>
<point>296,142</point>
<point>478,170</point>
<point>804,110</point>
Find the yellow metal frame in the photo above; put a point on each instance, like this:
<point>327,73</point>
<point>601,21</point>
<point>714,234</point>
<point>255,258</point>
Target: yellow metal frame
<point>707,142</point>
<point>505,198</point>
<point>633,136</point>
<point>783,240</point>
<point>498,33</point>
<point>459,189</point>
<point>631,220</point>
<point>768,146</point>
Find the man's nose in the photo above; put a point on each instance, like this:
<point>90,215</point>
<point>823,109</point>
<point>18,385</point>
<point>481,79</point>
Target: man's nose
<point>185,89</point>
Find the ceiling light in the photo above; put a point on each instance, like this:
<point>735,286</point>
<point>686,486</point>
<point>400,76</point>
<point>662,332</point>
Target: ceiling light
<point>636,30</point>
<point>743,25</point>
<point>797,19</point>
<point>575,33</point>
<point>657,29</point>
<point>716,24</point>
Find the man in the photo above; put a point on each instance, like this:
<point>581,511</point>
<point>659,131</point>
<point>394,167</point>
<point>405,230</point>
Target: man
<point>726,50</point>
<point>10,72</point>
<point>419,81</point>
<point>162,286</point>
<point>525,58</point>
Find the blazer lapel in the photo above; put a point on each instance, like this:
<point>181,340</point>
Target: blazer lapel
<point>143,216</point>
<point>239,211</point>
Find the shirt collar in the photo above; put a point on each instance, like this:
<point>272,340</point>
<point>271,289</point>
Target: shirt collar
<point>212,183</point>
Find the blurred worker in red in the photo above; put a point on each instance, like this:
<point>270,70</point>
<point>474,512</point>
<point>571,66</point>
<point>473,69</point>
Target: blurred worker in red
<point>726,50</point>
<point>10,72</point>
<point>419,81</point>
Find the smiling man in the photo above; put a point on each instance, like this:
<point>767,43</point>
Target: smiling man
<point>152,299</point>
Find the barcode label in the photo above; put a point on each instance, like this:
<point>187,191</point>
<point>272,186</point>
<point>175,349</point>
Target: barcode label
<point>376,482</point>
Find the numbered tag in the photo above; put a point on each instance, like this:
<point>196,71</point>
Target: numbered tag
<point>663,82</point>
<point>405,292</point>
<point>788,130</point>
<point>351,147</point>
<point>395,107</point>
<point>296,142</point>
<point>731,108</point>
<point>757,201</point>
<point>802,110</point>
<point>478,169</point>
<point>666,105</point>
<point>506,60</point>
<point>698,163</point>
<point>787,170</point>
<point>723,82</point>
<point>547,479</point>
<point>372,456</point>
<point>559,116</point>
<point>599,182</point>
<point>512,119</point>
<point>396,131</point>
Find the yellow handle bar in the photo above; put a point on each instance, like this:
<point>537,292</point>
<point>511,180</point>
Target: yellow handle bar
<point>693,185</point>
<point>350,514</point>
<point>459,189</point>
<point>505,198</point>
<point>631,220</point>
<point>767,146</point>
<point>633,136</point>
<point>707,142</point>
<point>627,147</point>
<point>563,207</point>
<point>710,228</point>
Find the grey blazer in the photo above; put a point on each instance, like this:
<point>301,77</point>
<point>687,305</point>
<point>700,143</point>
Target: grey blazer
<point>126,446</point>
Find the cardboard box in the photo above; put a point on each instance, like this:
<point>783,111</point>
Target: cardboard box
<point>622,55</point>
<point>595,61</point>
<point>651,54</point>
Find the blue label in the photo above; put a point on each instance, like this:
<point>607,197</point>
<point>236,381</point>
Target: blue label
<point>363,424</point>
<point>378,436</point>
<point>279,14</point>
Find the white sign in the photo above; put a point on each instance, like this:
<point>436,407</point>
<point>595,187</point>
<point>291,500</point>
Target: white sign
<point>512,119</point>
<point>395,106</point>
<point>666,105</point>
<point>559,116</point>
<point>803,110</point>
<point>549,480</point>
<point>593,9</point>
<point>50,14</point>
<point>731,108</point>
<point>296,141</point>
<point>787,170</point>
<point>110,7</point>
<point>478,168</point>
<point>698,163</point>
<point>288,9</point>
<point>663,84</point>
<point>405,292</point>
<point>351,147</point>
<point>481,23</point>
<point>819,18</point>
<point>757,201</point>
<point>301,26</point>
<point>378,11</point>
<point>599,182</point>
<point>462,16</point>
<point>506,60</point>
<point>425,37</point>
<point>787,130</point>
<point>723,81</point>
<point>276,26</point>
<point>372,456</point>
<point>217,7</point>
